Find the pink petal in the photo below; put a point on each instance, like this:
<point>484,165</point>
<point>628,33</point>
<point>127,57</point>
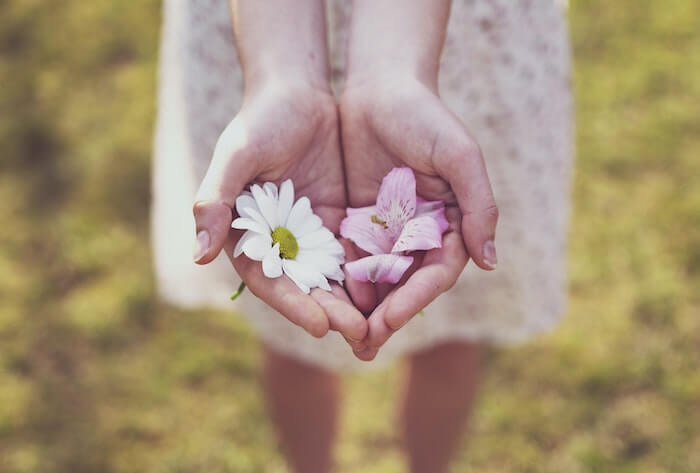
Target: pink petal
<point>435,208</point>
<point>379,268</point>
<point>371,237</point>
<point>422,233</point>
<point>396,202</point>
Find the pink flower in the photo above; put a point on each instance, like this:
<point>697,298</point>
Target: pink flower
<point>400,222</point>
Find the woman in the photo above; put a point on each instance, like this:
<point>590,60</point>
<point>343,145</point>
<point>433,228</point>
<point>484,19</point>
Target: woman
<point>269,112</point>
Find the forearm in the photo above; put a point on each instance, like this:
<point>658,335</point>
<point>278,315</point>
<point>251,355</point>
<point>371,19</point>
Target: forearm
<point>281,39</point>
<point>397,36</point>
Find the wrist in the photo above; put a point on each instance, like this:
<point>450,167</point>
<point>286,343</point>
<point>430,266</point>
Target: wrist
<point>272,73</point>
<point>284,80</point>
<point>392,73</point>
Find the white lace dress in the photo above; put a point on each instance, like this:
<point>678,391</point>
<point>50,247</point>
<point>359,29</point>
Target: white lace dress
<point>505,71</point>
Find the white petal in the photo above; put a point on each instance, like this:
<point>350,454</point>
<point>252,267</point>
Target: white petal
<point>333,248</point>
<point>257,247</point>
<point>309,224</point>
<point>315,239</point>
<point>244,202</point>
<point>247,207</point>
<point>239,246</point>
<point>303,275</point>
<point>338,275</point>
<point>267,205</point>
<point>323,284</point>
<point>257,216</point>
<point>272,263</point>
<point>292,273</point>
<point>325,263</point>
<point>271,190</point>
<point>300,210</point>
<point>286,200</point>
<point>245,223</point>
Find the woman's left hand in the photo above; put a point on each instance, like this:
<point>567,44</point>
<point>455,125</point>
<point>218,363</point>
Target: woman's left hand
<point>395,121</point>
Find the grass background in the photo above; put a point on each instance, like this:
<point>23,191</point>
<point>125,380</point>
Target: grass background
<point>97,376</point>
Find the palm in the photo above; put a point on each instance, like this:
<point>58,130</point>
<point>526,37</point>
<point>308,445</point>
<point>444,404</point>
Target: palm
<point>395,127</point>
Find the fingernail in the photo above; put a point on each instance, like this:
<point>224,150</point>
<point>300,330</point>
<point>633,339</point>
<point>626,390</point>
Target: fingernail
<point>490,254</point>
<point>201,245</point>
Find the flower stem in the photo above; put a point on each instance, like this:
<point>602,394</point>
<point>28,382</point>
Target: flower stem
<point>238,292</point>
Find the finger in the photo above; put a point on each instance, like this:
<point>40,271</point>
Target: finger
<point>281,294</point>
<point>363,294</point>
<point>342,315</point>
<point>464,168</point>
<point>356,346</point>
<point>366,354</point>
<point>230,170</point>
<point>440,270</point>
<point>379,331</point>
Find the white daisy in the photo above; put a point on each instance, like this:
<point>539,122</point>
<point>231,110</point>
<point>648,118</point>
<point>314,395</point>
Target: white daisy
<point>287,238</point>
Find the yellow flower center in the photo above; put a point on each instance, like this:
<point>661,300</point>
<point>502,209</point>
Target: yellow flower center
<point>288,244</point>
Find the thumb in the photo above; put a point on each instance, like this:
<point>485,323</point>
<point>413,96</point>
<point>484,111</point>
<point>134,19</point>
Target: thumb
<point>230,170</point>
<point>467,175</point>
<point>461,163</point>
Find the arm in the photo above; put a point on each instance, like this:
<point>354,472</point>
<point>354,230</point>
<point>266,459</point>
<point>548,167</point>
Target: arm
<point>281,39</point>
<point>397,37</point>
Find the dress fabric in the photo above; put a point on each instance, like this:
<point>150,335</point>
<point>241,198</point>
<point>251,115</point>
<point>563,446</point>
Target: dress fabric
<point>505,71</point>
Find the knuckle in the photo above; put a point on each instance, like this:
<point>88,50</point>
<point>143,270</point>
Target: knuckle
<point>216,210</point>
<point>492,212</point>
<point>318,327</point>
<point>358,328</point>
<point>447,280</point>
<point>466,150</point>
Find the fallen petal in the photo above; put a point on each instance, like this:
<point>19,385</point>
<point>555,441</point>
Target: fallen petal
<point>379,268</point>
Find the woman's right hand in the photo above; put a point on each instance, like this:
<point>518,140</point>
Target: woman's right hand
<point>284,130</point>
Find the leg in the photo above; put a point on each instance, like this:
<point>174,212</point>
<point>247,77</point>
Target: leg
<point>440,388</point>
<point>303,404</point>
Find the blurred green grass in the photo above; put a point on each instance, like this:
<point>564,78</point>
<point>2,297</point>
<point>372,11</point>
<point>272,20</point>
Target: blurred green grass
<point>97,376</point>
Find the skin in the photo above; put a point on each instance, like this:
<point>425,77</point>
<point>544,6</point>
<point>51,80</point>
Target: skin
<point>391,116</point>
